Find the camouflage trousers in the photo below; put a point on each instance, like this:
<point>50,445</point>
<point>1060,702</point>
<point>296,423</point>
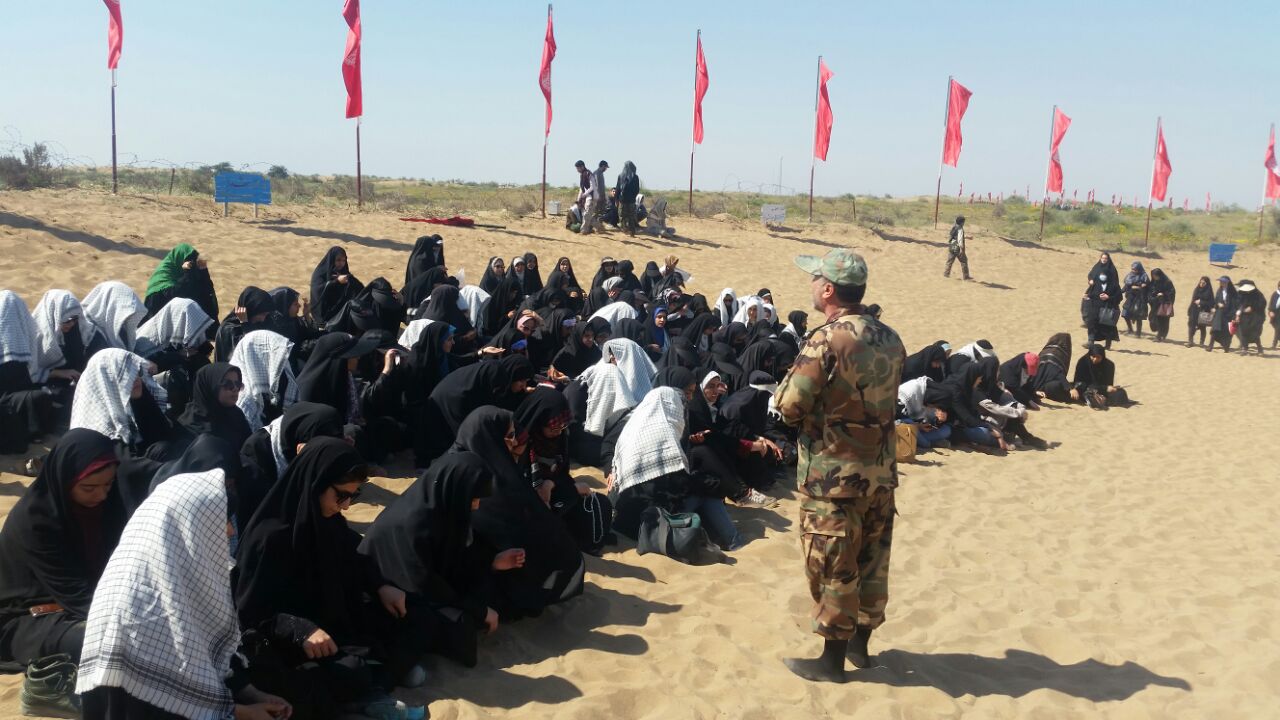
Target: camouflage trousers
<point>846,550</point>
<point>955,253</point>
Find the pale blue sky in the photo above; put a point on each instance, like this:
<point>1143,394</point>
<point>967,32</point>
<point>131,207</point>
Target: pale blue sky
<point>450,89</point>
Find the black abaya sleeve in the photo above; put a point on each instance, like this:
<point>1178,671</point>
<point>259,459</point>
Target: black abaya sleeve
<point>65,578</point>
<point>152,424</point>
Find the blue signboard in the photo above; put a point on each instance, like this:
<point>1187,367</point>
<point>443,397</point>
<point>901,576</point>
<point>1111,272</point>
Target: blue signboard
<point>234,187</point>
<point>1222,252</point>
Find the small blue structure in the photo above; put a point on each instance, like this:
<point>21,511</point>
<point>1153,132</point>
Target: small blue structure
<point>234,187</point>
<point>1222,252</point>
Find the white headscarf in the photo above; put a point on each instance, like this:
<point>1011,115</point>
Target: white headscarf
<point>116,310</point>
<point>606,394</point>
<point>263,357</point>
<point>727,315</point>
<point>637,369</point>
<point>412,332</point>
<point>101,400</point>
<point>181,323</point>
<point>751,301</point>
<point>615,311</point>
<point>55,308</point>
<point>162,625</point>
<point>476,300</point>
<point>17,333</point>
<point>649,446</point>
<point>976,352</point>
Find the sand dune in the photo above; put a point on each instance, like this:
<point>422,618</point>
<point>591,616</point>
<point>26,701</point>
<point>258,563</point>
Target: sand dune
<point>1128,573</point>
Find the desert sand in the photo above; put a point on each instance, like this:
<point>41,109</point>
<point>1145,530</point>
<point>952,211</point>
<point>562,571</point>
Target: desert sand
<point>1130,572</point>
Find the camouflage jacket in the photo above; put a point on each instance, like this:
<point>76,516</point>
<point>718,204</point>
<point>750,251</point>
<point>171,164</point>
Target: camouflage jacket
<point>841,393</point>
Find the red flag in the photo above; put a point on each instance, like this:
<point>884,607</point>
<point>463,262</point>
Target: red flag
<point>822,125</point>
<point>544,73</point>
<point>1273,173</point>
<point>957,103</point>
<point>1162,170</point>
<point>115,33</point>
<point>351,59</point>
<point>700,82</point>
<point>1060,124</point>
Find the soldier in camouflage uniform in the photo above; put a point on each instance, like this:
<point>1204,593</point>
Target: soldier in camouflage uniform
<point>841,394</point>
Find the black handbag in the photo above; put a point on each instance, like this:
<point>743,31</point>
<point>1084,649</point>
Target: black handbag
<point>1108,316</point>
<point>679,536</point>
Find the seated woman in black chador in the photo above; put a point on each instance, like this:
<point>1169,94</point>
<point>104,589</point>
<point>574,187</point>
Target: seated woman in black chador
<point>424,544</point>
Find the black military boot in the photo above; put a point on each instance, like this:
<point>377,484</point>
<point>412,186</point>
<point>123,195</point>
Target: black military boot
<point>827,667</point>
<point>49,688</point>
<point>858,654</point>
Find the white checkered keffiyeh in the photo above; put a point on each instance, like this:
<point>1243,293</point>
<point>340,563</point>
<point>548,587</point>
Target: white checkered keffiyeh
<point>615,311</point>
<point>101,401</point>
<point>181,323</point>
<point>163,625</point>
<point>55,308</point>
<point>263,357</point>
<point>17,332</point>
<point>476,301</point>
<point>116,310</point>
<point>413,332</point>
<point>277,450</point>
<point>606,394</point>
<point>649,446</point>
<point>637,369</point>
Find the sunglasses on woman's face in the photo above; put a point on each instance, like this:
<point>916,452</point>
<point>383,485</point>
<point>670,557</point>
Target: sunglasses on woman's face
<point>235,385</point>
<point>343,497</point>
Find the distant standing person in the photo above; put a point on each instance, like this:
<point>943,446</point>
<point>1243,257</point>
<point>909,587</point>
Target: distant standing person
<point>584,189</point>
<point>625,193</point>
<point>842,394</point>
<point>1273,312</point>
<point>956,249</point>
<point>594,206</point>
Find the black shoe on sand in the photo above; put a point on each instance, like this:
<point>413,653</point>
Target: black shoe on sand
<point>858,654</point>
<point>827,667</point>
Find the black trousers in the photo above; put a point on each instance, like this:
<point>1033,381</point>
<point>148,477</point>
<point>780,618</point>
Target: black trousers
<point>25,639</point>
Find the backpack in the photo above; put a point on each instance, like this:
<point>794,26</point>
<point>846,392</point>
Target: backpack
<point>679,536</point>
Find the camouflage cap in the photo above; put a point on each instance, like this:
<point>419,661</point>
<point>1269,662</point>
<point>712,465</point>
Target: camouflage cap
<point>840,266</point>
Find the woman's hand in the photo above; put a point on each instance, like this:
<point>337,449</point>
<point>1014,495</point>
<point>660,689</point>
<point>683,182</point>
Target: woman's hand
<point>389,363</point>
<point>70,374</point>
<point>766,447</point>
<point>342,279</point>
<point>319,645</point>
<point>512,559</point>
<point>544,492</point>
<point>583,489</point>
<point>242,313</point>
<point>392,599</point>
<point>276,707</point>
<point>491,621</point>
<point>263,711</point>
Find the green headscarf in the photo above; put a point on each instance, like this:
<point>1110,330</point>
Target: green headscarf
<point>169,271</point>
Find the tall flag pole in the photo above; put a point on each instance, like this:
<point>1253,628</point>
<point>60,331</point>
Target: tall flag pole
<point>1271,189</point>
<point>351,78</point>
<point>1053,177</point>
<point>1161,169</point>
<point>957,103</point>
<point>115,40</point>
<point>823,120</point>
<point>544,81</point>
<point>700,82</point>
